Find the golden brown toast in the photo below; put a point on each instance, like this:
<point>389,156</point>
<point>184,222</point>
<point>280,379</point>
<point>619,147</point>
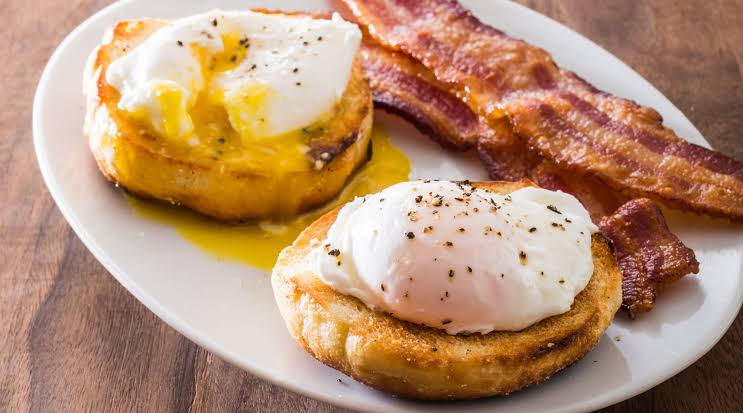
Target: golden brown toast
<point>225,188</point>
<point>420,362</point>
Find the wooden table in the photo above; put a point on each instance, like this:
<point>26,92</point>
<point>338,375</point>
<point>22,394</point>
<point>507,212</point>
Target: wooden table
<point>72,339</point>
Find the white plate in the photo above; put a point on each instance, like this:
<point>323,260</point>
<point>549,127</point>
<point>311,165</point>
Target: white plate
<point>228,308</point>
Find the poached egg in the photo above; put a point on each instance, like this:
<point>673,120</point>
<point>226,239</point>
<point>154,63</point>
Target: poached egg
<point>458,258</point>
<point>267,75</point>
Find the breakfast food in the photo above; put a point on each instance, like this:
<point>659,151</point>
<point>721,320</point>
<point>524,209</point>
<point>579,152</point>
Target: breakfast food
<point>450,290</point>
<point>559,115</point>
<point>404,87</point>
<point>649,255</point>
<point>238,115</point>
<point>428,289</point>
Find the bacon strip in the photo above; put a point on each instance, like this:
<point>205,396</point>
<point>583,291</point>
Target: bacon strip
<point>402,86</point>
<point>648,254</point>
<point>562,117</point>
<point>596,197</point>
<point>504,155</point>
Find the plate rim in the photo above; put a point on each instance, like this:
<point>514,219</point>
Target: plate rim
<point>184,328</point>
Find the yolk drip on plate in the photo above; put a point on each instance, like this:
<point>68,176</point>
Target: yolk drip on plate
<point>259,244</point>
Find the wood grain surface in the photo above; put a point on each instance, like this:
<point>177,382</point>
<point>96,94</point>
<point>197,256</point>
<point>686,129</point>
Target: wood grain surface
<point>72,339</point>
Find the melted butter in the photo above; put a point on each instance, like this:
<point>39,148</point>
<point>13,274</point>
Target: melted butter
<point>259,244</point>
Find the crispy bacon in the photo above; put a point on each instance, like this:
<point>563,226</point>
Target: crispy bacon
<point>648,258</point>
<point>561,116</point>
<point>648,254</point>
<point>504,155</point>
<point>596,197</point>
<point>404,87</point>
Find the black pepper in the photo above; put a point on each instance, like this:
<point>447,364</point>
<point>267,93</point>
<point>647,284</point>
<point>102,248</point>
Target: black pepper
<point>554,209</point>
<point>522,257</point>
<point>180,43</point>
<point>451,273</point>
<point>532,229</point>
<point>334,252</point>
<point>410,235</point>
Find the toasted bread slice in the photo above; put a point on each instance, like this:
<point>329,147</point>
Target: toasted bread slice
<point>228,189</point>
<point>420,362</point>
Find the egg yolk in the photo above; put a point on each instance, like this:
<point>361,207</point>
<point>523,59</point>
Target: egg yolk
<point>258,244</point>
<point>246,108</point>
<point>218,120</point>
<point>173,111</point>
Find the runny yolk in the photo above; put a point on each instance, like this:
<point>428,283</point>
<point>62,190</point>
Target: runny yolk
<point>258,244</point>
<point>173,112</point>
<point>246,108</point>
<point>235,50</point>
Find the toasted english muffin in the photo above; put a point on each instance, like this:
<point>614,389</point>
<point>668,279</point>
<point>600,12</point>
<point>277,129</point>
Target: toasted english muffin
<point>227,189</point>
<point>420,362</point>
